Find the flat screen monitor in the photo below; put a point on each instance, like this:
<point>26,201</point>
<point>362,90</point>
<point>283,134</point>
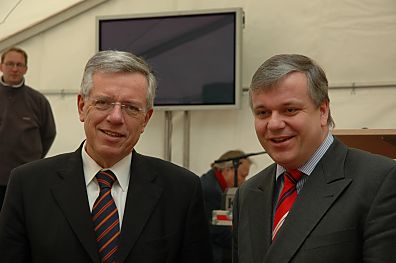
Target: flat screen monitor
<point>195,55</point>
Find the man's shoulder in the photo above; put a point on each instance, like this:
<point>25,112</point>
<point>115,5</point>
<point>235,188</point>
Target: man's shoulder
<point>361,166</point>
<point>174,180</point>
<point>209,181</point>
<point>165,168</point>
<point>35,94</point>
<point>33,91</point>
<point>44,171</point>
<point>368,161</point>
<point>260,177</point>
<point>48,164</point>
<point>208,176</point>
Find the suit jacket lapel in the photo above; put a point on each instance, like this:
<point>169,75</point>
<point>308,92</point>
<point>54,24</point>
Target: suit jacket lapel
<point>143,195</point>
<point>320,191</point>
<point>71,195</point>
<point>260,213</point>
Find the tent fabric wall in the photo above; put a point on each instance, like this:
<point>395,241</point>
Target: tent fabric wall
<point>351,39</point>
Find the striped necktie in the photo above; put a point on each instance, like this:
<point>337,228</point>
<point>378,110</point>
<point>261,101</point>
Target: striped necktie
<point>286,199</point>
<point>105,218</point>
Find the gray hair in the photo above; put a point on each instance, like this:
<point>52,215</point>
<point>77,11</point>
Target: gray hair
<point>112,61</point>
<point>277,67</point>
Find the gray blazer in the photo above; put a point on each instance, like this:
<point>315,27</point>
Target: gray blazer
<point>46,215</point>
<point>346,212</point>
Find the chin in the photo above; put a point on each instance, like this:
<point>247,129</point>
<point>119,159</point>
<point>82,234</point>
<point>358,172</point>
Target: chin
<point>284,160</point>
<point>108,151</point>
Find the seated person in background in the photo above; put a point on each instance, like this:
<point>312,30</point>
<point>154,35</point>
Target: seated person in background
<point>214,184</point>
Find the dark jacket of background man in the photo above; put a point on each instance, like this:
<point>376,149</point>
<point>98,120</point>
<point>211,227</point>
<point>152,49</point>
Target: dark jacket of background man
<point>27,127</point>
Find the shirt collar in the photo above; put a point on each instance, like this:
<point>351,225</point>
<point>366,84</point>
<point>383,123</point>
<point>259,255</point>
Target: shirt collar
<point>121,169</point>
<point>310,165</point>
<point>12,86</point>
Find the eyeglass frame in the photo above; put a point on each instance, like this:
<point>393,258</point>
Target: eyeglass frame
<point>10,64</point>
<point>109,105</point>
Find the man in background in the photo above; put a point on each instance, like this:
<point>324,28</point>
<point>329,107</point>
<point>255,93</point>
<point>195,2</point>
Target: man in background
<point>321,201</point>
<point>27,127</point>
<point>214,185</point>
<point>105,202</point>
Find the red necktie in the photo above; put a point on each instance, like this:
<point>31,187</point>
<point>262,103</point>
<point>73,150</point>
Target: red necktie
<point>105,218</point>
<point>286,199</point>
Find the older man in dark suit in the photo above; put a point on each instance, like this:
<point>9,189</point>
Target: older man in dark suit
<point>105,202</point>
<point>320,201</point>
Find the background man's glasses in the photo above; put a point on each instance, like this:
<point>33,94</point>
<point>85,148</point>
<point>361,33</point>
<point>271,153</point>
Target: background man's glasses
<point>12,65</point>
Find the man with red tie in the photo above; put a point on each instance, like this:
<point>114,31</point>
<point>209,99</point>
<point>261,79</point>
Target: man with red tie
<point>320,201</point>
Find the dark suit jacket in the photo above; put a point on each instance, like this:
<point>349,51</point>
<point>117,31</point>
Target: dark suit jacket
<point>46,216</point>
<point>220,236</point>
<point>346,212</point>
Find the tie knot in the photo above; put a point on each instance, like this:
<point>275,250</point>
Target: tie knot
<point>293,175</point>
<point>105,179</point>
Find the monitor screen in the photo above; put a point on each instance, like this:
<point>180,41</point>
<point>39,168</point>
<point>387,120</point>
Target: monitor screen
<point>194,55</point>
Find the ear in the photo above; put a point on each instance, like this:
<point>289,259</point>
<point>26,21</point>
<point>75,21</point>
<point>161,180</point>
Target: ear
<point>147,117</point>
<point>324,112</point>
<point>80,107</point>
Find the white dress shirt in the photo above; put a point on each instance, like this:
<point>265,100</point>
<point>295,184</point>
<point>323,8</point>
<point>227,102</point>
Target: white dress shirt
<point>119,190</point>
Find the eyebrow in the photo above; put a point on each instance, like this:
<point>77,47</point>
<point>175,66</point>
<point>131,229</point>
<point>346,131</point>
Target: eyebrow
<point>132,102</point>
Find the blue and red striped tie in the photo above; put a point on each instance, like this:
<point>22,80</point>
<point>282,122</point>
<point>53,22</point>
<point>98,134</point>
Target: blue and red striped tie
<point>286,199</point>
<point>105,218</point>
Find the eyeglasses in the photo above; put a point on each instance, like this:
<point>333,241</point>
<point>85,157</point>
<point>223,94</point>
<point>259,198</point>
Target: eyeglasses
<point>107,104</point>
<point>12,65</point>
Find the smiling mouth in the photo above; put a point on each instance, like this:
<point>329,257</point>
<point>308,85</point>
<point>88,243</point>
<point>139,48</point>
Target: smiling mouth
<point>280,140</point>
<point>112,134</point>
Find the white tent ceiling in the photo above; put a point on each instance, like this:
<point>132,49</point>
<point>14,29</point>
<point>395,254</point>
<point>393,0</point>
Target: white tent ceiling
<point>16,16</point>
<point>22,19</point>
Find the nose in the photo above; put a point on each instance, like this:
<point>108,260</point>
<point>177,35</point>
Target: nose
<point>275,122</point>
<point>115,114</point>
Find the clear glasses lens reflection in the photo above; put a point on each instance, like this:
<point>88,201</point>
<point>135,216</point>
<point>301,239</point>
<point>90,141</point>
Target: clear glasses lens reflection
<point>107,105</point>
<point>12,65</point>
